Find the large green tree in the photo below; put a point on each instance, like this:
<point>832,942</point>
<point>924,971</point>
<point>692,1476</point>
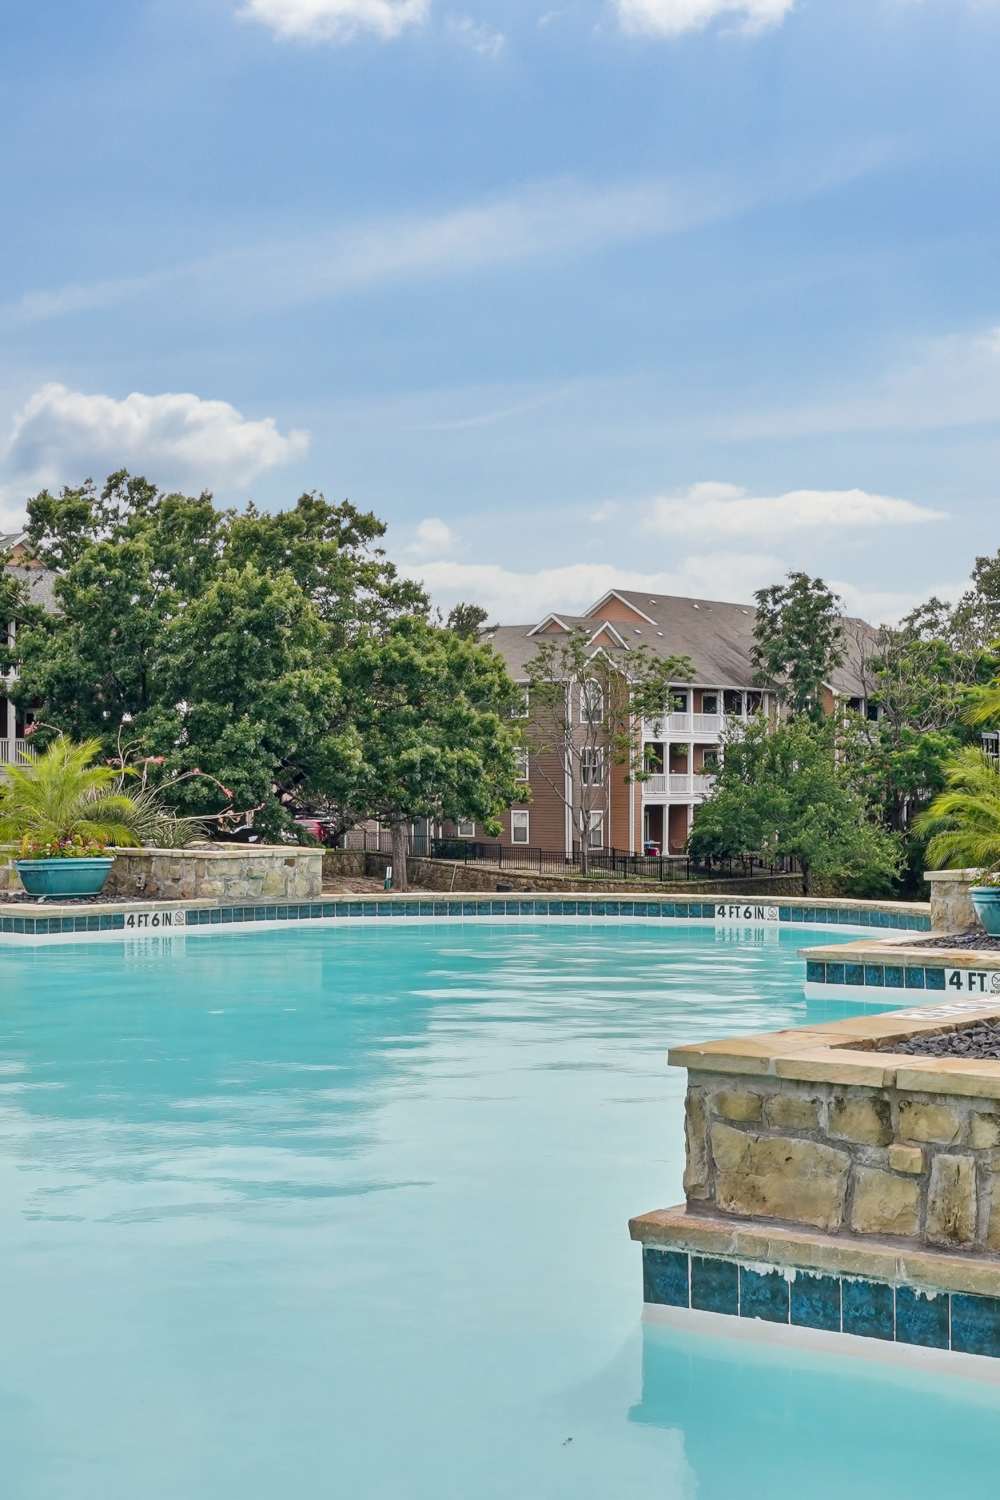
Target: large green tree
<point>781,793</point>
<point>426,732</point>
<point>214,635</point>
<point>798,641</point>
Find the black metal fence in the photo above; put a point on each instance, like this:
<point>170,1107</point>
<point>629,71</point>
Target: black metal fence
<point>613,864</point>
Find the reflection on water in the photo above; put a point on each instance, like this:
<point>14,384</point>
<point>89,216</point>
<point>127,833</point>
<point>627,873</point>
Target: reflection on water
<point>342,1212</point>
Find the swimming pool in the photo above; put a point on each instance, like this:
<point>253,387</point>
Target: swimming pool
<point>341,1212</point>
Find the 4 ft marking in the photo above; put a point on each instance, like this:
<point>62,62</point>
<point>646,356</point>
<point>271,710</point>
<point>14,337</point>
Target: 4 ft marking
<point>973,981</point>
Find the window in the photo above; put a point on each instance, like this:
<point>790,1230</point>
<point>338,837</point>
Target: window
<point>595,833</point>
<point>710,703</point>
<point>522,765</point>
<point>519,827</point>
<point>679,702</point>
<point>871,711</point>
<point>592,701</point>
<point>710,762</point>
<point>855,705</point>
<point>465,828</point>
<point>592,766</point>
<point>755,703</point>
<point>732,702</point>
<point>520,708</point>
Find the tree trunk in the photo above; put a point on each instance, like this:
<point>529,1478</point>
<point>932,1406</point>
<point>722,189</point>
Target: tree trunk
<point>398,846</point>
<point>806,879</point>
<point>584,852</point>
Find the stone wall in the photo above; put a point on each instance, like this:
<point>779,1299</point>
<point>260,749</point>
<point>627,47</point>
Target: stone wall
<point>231,871</point>
<point>846,1160</point>
<point>454,875</point>
<point>951,905</point>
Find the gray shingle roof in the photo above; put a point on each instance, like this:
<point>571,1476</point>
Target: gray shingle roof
<point>41,585</point>
<point>715,635</point>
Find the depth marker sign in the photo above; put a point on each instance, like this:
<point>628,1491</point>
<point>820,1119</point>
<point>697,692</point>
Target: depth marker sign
<point>745,913</point>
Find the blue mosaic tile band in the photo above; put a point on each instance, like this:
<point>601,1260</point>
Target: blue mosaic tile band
<point>82,922</point>
<point>876,976</point>
<point>958,1321</point>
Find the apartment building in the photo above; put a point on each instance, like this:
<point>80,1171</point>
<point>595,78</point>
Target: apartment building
<point>682,746</point>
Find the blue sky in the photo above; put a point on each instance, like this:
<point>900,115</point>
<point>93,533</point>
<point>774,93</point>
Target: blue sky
<point>673,294</point>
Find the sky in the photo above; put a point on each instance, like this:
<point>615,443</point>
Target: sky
<point>674,295</point>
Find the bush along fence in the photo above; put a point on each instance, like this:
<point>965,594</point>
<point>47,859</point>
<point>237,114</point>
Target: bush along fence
<point>615,864</point>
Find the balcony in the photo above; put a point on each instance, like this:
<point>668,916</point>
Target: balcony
<point>12,752</point>
<point>676,784</point>
<point>667,724</point>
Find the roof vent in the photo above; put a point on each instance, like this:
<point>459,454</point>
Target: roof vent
<point>660,634</point>
<point>636,630</point>
<point>696,606</point>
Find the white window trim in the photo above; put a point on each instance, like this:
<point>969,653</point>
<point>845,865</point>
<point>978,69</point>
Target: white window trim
<point>520,819</point>
<point>586,765</point>
<point>595,825</point>
<point>524,712</point>
<point>588,716</point>
<point>523,773</point>
<point>469,823</point>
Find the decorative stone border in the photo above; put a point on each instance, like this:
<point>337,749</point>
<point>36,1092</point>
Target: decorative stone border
<point>50,920</point>
<point>821,1150</point>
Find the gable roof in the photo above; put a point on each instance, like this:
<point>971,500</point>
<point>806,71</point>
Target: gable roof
<point>716,635</point>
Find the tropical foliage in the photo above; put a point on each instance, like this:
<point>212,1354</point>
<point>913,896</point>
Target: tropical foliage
<point>963,822</point>
<point>62,805</point>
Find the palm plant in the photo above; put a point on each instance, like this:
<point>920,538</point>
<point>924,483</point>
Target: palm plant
<point>61,804</point>
<point>964,820</point>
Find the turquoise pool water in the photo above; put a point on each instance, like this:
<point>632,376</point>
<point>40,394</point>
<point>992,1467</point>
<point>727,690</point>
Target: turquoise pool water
<point>341,1213</point>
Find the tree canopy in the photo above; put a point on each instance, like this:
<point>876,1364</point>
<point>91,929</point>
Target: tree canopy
<point>798,641</point>
<point>259,648</point>
<point>781,793</point>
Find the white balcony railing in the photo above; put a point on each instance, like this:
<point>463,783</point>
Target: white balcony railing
<point>707,724</point>
<point>676,784</point>
<point>12,752</point>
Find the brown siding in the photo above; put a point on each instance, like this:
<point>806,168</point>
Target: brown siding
<point>617,609</point>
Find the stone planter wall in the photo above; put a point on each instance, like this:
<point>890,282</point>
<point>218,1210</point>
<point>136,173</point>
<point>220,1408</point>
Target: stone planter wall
<point>850,1161</point>
<point>233,871</point>
<point>951,905</point>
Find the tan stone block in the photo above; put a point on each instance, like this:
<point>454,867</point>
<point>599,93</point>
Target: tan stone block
<point>865,1118</point>
<point>906,1159</point>
<point>936,1121</point>
<point>779,1177</point>
<point>824,1064</point>
<point>984,1131</point>
<point>792,1112</point>
<point>951,1201</point>
<point>884,1203</point>
<point>950,1075</point>
<point>993,1223</point>
<point>738,1105</point>
<point>697,1169</point>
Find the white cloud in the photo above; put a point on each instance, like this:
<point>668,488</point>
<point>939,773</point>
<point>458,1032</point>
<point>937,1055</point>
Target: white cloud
<point>431,536</point>
<point>671,18</point>
<point>477,36</point>
<point>335,20</point>
<point>63,435</point>
<point>517,598</point>
<point>725,510</point>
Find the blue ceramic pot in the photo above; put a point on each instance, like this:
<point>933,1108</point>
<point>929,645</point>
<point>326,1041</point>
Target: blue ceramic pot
<point>986,900</point>
<point>63,877</point>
